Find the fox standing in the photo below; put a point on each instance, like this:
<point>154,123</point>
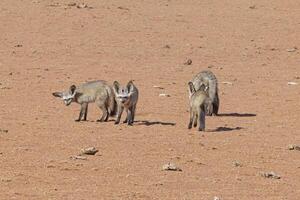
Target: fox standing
<point>126,97</point>
<point>208,81</point>
<point>94,91</point>
<point>199,103</point>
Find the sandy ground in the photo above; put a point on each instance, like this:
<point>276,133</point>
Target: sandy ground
<point>47,45</point>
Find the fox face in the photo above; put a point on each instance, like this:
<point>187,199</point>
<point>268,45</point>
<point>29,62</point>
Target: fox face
<point>123,92</point>
<point>67,96</point>
<point>123,95</point>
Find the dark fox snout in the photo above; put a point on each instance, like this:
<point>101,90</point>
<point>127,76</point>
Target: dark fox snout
<point>123,100</point>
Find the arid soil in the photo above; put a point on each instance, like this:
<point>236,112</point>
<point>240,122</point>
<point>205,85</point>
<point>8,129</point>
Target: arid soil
<point>253,47</point>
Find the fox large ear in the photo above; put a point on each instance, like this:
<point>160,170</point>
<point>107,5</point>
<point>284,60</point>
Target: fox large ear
<point>72,89</point>
<point>57,94</point>
<point>116,86</point>
<point>191,87</point>
<point>129,85</point>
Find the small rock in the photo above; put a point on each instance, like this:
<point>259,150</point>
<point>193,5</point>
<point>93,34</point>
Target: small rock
<point>167,46</point>
<point>123,8</point>
<point>252,7</point>
<point>159,87</point>
<point>6,180</point>
<point>270,175</point>
<point>18,45</point>
<point>297,77</point>
<point>292,49</point>
<point>292,83</point>
<point>164,95</point>
<point>89,151</point>
<point>188,62</point>
<point>82,5</point>
<point>227,83</point>
<point>78,158</point>
<point>294,147</point>
<point>217,198</point>
<point>171,167</point>
<point>3,131</point>
<point>237,163</point>
<point>71,4</point>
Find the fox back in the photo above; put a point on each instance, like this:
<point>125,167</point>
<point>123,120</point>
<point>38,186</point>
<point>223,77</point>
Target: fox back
<point>209,80</point>
<point>85,93</point>
<point>206,80</point>
<point>89,92</point>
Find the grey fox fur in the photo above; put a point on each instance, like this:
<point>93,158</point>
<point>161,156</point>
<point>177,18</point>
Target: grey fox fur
<point>126,97</point>
<point>94,91</point>
<point>200,103</point>
<point>206,80</point>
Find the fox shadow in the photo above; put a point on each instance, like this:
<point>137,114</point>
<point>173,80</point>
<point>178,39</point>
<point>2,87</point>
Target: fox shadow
<point>224,129</point>
<point>236,115</point>
<point>151,123</point>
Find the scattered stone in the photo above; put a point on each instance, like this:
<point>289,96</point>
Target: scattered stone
<point>292,83</point>
<point>294,147</point>
<point>5,88</point>
<point>7,180</point>
<point>273,49</point>
<point>78,158</point>
<point>54,5</point>
<point>18,45</point>
<point>3,131</point>
<point>292,49</point>
<point>10,74</point>
<point>83,5</point>
<point>188,62</point>
<point>167,46</point>
<point>297,77</point>
<point>270,175</point>
<point>171,167</point>
<point>71,4</point>
<point>123,8</point>
<point>89,151</point>
<point>164,95</point>
<point>227,83</point>
<point>158,87</point>
<point>237,163</point>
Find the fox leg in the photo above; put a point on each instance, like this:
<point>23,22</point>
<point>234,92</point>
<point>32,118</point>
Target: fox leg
<point>120,111</point>
<point>85,111</point>
<point>191,119</point>
<point>195,119</point>
<point>126,119</point>
<point>133,112</point>
<point>129,116</point>
<point>104,116</point>
<point>216,105</point>
<point>202,120</point>
<point>82,111</point>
